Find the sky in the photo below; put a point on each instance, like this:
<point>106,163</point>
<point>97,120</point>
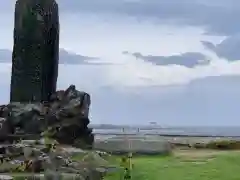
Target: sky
<point>166,61</point>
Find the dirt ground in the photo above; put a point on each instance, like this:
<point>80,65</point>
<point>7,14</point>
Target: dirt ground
<point>199,154</point>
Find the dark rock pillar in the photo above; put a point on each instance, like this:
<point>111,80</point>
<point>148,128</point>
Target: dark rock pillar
<point>35,50</point>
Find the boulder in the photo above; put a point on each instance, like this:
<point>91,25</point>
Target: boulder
<point>64,118</point>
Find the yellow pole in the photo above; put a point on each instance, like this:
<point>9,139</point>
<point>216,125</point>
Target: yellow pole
<point>130,155</point>
<point>127,174</point>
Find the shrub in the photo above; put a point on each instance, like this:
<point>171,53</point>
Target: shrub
<point>200,145</point>
<point>223,145</point>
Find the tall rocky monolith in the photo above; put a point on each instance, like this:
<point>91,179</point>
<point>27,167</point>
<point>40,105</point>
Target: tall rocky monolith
<point>35,50</point>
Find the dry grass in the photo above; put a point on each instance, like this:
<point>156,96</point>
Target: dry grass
<point>195,153</point>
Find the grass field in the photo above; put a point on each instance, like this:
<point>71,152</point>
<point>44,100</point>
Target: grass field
<point>187,165</point>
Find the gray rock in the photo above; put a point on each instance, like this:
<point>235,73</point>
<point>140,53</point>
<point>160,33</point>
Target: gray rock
<point>55,166</point>
<point>6,177</point>
<point>26,116</point>
<point>52,175</point>
<point>28,152</point>
<point>5,128</point>
<point>64,118</point>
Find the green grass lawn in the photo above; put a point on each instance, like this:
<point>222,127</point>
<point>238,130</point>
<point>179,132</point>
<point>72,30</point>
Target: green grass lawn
<point>198,165</point>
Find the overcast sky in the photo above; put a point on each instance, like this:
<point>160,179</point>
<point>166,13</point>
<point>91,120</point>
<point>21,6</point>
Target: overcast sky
<point>170,61</point>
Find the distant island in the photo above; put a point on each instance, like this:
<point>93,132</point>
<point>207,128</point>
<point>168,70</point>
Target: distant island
<point>65,57</point>
<point>112,126</point>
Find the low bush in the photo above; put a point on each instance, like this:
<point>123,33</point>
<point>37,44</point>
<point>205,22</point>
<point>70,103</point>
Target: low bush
<point>220,145</point>
<point>200,145</point>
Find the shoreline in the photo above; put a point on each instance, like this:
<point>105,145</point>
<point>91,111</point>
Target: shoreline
<point>173,139</point>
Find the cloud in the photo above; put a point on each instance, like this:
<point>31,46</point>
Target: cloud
<point>5,56</point>
<point>228,48</point>
<point>127,73</point>
<point>7,6</point>
<point>208,14</point>
<point>65,57</point>
<point>124,89</point>
<point>123,71</point>
<point>216,16</point>
<point>188,59</point>
<point>206,101</point>
<point>135,91</point>
<point>211,101</point>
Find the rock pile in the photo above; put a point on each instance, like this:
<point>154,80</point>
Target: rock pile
<point>64,118</point>
<point>36,110</point>
<point>32,158</point>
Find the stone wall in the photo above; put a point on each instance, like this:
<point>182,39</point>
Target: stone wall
<point>133,145</point>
